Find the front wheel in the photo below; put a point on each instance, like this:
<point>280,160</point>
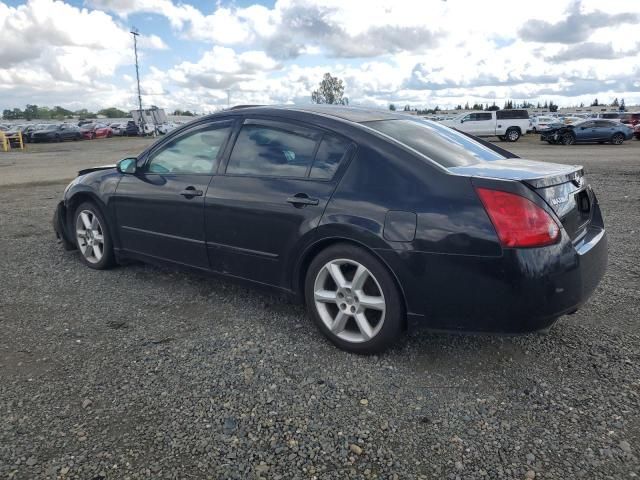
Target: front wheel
<point>617,139</point>
<point>513,134</point>
<point>92,237</point>
<point>353,299</point>
<point>568,139</point>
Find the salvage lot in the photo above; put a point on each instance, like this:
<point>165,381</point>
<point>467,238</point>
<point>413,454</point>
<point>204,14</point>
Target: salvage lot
<point>142,372</point>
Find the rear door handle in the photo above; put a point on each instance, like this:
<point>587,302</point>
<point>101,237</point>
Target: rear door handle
<point>302,199</point>
<point>191,192</point>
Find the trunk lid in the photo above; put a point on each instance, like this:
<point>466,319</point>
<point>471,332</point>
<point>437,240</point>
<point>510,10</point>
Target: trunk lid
<point>563,187</point>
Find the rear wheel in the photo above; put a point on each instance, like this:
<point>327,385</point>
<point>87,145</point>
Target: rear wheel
<point>353,299</point>
<point>513,134</point>
<point>617,139</point>
<point>568,139</point>
<point>92,237</point>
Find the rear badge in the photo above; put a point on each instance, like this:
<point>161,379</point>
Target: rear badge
<point>558,201</point>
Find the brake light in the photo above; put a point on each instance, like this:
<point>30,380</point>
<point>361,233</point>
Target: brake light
<point>518,221</point>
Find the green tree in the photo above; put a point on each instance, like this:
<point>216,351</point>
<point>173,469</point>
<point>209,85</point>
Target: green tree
<point>392,107</point>
<point>553,107</point>
<point>615,103</point>
<point>466,106</point>
<point>493,107</point>
<point>622,108</point>
<point>330,90</point>
<point>31,112</point>
<point>595,103</point>
<point>112,113</point>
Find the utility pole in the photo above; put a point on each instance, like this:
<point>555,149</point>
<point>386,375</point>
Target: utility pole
<point>135,34</point>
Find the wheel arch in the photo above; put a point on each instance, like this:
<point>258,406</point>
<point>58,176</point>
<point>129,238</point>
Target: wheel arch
<point>322,244</point>
<point>75,200</point>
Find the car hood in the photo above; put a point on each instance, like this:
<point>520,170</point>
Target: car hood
<point>96,169</point>
<point>536,174</point>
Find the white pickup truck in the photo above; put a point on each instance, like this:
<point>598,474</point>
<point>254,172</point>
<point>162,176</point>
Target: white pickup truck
<point>507,125</point>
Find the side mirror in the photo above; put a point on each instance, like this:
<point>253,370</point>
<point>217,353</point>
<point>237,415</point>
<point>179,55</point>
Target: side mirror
<point>127,165</point>
<point>462,121</point>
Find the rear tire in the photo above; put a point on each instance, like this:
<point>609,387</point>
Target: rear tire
<point>617,139</point>
<point>353,299</point>
<point>92,237</point>
<point>512,135</point>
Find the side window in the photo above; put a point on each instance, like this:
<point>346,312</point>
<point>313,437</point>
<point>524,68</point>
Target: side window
<point>469,117</point>
<point>604,124</point>
<point>271,151</point>
<point>331,152</point>
<point>483,116</point>
<point>197,152</point>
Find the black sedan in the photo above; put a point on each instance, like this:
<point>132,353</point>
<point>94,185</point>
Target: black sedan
<point>587,131</point>
<point>56,133</point>
<point>378,222</point>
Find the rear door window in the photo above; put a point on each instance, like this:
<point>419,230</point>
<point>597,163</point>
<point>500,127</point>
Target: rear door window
<point>483,116</point>
<point>273,149</point>
<point>331,152</point>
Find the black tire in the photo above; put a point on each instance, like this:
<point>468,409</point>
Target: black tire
<point>568,139</point>
<point>108,259</point>
<point>512,135</point>
<point>380,279</point>
<point>617,139</point>
<point>535,130</point>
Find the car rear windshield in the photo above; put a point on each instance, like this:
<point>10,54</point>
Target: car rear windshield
<point>441,144</point>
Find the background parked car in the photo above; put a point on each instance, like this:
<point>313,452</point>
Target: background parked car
<point>118,129</point>
<point>588,131</point>
<point>540,123</point>
<point>96,130</point>
<point>507,125</point>
<point>636,131</point>
<point>131,129</point>
<point>632,119</point>
<point>56,133</point>
<point>607,116</point>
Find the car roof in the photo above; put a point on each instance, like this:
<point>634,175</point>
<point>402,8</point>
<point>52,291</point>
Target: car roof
<point>341,112</point>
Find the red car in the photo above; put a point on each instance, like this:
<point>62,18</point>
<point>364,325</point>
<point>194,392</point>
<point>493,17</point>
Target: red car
<point>632,119</point>
<point>96,130</point>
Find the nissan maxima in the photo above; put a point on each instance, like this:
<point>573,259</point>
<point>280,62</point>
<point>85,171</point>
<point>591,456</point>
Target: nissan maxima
<point>378,222</point>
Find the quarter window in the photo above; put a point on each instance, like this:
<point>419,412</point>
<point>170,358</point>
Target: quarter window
<point>194,153</point>
<point>331,152</point>
<point>271,151</point>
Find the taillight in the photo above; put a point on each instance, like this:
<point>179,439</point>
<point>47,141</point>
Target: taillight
<point>518,221</point>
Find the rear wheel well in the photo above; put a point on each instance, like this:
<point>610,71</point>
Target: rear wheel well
<point>322,245</point>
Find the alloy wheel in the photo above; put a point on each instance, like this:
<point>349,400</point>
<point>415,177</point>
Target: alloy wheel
<point>568,139</point>
<point>90,236</point>
<point>617,139</point>
<point>349,300</point>
<point>513,135</point>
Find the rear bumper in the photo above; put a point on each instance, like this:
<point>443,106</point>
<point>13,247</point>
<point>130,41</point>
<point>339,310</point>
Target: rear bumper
<point>523,290</point>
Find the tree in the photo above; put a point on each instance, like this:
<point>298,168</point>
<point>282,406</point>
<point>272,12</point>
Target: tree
<point>466,106</point>
<point>553,107</point>
<point>615,103</point>
<point>581,104</point>
<point>595,103</point>
<point>112,113</point>
<point>30,112</point>
<point>392,107</point>
<point>407,108</point>
<point>330,90</point>
<point>493,107</point>
<point>459,107</point>
<point>622,106</point>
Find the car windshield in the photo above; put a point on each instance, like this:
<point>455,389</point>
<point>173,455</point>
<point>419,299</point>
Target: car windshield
<point>51,127</point>
<point>441,144</point>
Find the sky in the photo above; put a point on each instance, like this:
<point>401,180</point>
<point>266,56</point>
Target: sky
<point>199,55</point>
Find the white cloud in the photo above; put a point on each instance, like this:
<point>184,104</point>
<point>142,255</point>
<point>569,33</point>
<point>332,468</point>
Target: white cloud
<point>401,51</point>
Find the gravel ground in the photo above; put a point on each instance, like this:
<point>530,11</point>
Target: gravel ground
<point>140,372</point>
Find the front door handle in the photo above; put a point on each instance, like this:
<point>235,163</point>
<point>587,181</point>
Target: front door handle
<point>301,199</point>
<point>191,192</point>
